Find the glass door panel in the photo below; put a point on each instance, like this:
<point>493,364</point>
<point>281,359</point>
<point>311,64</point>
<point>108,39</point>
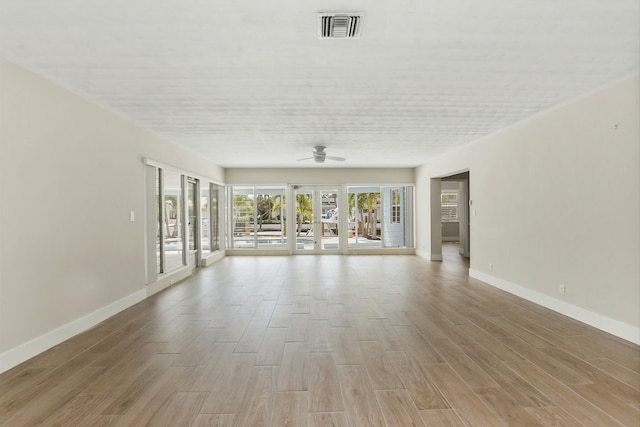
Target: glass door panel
<point>270,209</point>
<point>243,217</point>
<point>364,217</point>
<point>192,220</point>
<point>305,230</point>
<point>316,219</point>
<point>329,240</point>
<point>172,218</point>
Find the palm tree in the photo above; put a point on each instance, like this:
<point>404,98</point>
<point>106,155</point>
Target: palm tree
<point>304,209</point>
<point>279,205</point>
<point>362,203</point>
<point>371,200</point>
<point>279,209</point>
<point>264,206</point>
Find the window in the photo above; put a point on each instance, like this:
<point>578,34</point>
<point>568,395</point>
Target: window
<point>242,217</point>
<point>214,215</point>
<point>172,221</point>
<point>396,230</point>
<point>395,206</point>
<point>364,216</point>
<point>181,219</point>
<point>449,205</point>
<point>258,217</point>
<point>159,221</point>
<point>168,221</point>
<point>205,219</point>
<point>380,217</point>
<point>270,217</point>
<point>209,218</point>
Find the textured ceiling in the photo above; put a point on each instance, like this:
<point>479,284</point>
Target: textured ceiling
<point>247,83</point>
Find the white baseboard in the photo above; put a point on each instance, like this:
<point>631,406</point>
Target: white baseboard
<point>612,326</point>
<point>380,251</point>
<point>168,279</point>
<point>257,252</point>
<point>428,256</point>
<point>213,258</point>
<point>26,351</point>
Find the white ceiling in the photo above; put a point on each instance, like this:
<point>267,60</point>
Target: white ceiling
<point>247,83</point>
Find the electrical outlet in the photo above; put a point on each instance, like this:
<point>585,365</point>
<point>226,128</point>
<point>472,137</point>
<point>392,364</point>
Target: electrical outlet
<point>561,289</point>
<point>490,267</point>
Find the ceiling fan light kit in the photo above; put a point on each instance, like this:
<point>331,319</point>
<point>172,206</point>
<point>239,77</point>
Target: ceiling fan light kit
<point>319,155</point>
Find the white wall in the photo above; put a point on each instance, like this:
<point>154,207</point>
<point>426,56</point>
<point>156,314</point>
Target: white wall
<point>70,173</point>
<point>320,175</point>
<point>547,193</point>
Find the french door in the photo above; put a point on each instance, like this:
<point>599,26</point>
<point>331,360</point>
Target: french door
<point>316,225</point>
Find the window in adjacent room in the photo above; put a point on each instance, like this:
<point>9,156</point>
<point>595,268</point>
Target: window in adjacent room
<point>449,205</point>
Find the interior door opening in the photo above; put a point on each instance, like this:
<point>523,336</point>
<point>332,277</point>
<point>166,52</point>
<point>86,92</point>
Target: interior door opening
<point>454,216</point>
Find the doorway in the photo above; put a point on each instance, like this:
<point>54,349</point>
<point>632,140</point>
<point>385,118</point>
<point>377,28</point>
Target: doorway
<point>316,225</point>
<point>451,215</point>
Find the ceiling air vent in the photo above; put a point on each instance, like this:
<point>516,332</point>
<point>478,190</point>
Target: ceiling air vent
<point>339,25</point>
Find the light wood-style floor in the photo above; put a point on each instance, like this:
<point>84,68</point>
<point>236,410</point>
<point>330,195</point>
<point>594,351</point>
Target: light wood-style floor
<point>330,341</point>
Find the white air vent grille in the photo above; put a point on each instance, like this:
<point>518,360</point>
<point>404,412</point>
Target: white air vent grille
<point>339,25</point>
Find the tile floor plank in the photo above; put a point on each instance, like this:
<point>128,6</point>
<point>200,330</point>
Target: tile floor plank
<point>379,366</point>
<point>553,416</point>
<point>294,371</point>
<point>441,418</point>
<point>362,406</point>
<point>324,385</point>
<point>398,409</point>
<point>291,409</point>
<point>257,404</point>
<point>298,327</point>
<point>417,382</point>
<point>272,347</point>
<point>180,409</point>
<point>328,419</point>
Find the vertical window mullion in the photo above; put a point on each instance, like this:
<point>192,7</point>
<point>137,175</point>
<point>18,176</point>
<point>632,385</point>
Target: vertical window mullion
<point>161,219</point>
<point>255,218</point>
<point>183,223</point>
<point>381,210</point>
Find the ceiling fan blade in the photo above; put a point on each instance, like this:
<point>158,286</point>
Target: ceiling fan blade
<point>338,159</point>
<point>306,158</point>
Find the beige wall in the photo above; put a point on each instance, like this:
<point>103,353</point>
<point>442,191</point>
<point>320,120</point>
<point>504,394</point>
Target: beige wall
<point>547,193</point>
<point>70,173</point>
<point>321,175</point>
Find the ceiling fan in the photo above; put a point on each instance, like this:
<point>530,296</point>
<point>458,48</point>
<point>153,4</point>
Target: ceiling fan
<point>320,155</point>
